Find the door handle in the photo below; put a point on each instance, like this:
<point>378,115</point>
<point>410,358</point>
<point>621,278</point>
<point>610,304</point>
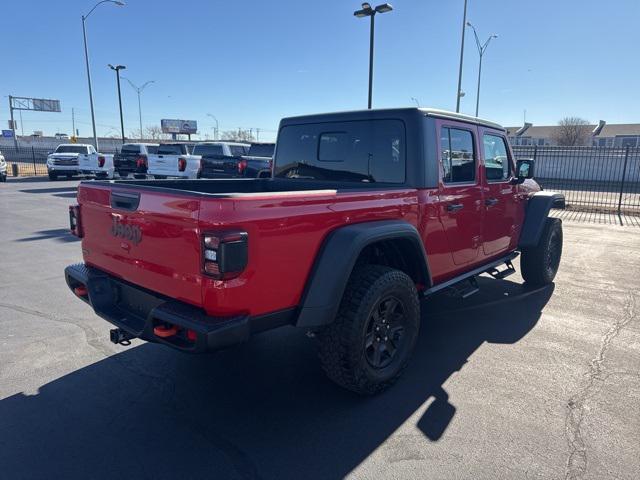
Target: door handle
<point>454,207</point>
<point>490,202</point>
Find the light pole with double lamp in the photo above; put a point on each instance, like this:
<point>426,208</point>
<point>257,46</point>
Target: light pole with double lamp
<point>368,11</point>
<point>86,59</point>
<point>139,91</point>
<point>482,47</point>
<point>117,69</point>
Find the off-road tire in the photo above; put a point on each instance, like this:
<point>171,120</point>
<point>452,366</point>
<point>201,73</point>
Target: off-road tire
<point>342,350</point>
<point>3,177</point>
<point>539,264</point>
<point>53,177</point>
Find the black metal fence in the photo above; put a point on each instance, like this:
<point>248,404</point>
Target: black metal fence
<point>591,178</point>
<point>29,160</point>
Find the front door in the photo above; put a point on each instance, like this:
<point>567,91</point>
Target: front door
<point>460,206</point>
<point>500,203</point>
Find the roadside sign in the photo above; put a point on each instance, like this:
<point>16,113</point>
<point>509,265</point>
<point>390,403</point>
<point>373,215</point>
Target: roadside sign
<point>7,133</point>
<point>178,126</point>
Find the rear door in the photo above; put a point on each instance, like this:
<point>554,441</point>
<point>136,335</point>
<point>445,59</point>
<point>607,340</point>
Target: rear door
<point>460,190</point>
<point>147,238</point>
<point>502,207</point>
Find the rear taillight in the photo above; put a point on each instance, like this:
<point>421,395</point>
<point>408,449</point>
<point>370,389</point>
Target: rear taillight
<point>224,254</point>
<point>242,166</point>
<point>75,226</point>
<point>182,164</point>
<point>141,161</point>
<point>101,161</point>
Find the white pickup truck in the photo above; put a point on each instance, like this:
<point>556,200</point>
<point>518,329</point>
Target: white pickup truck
<point>98,164</point>
<point>174,160</point>
<point>64,159</point>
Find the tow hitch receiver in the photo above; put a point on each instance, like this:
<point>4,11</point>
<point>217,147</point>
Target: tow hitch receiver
<point>120,337</point>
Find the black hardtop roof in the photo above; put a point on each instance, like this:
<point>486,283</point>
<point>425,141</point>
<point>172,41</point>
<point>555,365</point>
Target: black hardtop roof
<point>382,113</point>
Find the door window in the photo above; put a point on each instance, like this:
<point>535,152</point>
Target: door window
<point>457,156</point>
<point>496,158</point>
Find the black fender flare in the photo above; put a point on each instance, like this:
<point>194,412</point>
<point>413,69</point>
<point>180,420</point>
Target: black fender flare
<point>336,259</point>
<point>538,207</point>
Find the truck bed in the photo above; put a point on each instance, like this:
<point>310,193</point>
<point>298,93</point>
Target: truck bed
<point>149,233</point>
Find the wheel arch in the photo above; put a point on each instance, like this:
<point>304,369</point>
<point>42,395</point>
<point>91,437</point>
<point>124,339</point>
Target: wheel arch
<point>343,249</point>
<point>538,207</point>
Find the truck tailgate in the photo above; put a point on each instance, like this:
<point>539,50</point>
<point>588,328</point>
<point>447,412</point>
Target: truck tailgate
<point>148,238</point>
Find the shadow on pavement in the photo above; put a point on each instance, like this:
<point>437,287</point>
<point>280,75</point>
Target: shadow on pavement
<point>58,234</point>
<point>262,410</point>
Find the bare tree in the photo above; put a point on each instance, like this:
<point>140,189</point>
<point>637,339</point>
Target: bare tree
<point>154,132</point>
<point>239,135</point>
<point>572,131</point>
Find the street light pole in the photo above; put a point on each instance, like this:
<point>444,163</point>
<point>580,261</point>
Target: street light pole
<point>117,69</point>
<point>86,59</point>
<point>139,91</point>
<point>368,11</point>
<point>215,131</point>
<point>459,91</point>
<point>481,49</point>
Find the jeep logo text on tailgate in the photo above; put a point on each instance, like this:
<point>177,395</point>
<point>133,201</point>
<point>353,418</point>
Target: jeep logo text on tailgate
<point>126,231</point>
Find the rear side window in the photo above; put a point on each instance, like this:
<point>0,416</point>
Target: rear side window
<point>457,155</point>
<point>496,159</point>
<point>208,150</point>
<point>152,149</point>
<point>238,150</point>
<point>358,151</point>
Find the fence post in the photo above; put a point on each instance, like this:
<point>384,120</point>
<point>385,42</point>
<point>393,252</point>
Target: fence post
<point>535,152</point>
<point>624,175</point>
<point>33,157</point>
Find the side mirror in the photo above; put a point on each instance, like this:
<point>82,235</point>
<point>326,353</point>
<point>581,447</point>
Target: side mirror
<point>524,170</point>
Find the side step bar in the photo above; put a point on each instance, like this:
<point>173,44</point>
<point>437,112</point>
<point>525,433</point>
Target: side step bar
<point>490,268</point>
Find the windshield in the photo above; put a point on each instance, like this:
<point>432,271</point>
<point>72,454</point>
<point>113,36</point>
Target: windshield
<point>71,149</point>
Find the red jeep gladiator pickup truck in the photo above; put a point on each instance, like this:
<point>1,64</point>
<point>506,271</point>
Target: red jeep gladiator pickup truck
<point>366,213</point>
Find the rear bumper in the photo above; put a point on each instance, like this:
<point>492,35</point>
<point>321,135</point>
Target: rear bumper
<point>138,312</point>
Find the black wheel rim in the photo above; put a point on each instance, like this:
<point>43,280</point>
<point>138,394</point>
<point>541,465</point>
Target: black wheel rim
<point>385,332</point>
<point>553,253</point>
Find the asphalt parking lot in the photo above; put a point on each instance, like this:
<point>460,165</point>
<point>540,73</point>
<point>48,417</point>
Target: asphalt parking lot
<point>510,383</point>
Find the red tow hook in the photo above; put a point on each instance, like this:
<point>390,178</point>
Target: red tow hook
<point>165,332</point>
<point>80,291</point>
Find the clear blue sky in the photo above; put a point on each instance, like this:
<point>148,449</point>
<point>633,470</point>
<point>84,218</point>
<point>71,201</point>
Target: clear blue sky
<point>252,62</point>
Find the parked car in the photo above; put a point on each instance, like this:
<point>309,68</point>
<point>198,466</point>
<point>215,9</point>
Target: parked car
<point>174,160</point>
<point>64,159</point>
<point>222,159</point>
<point>61,136</point>
<point>367,213</point>
<point>98,164</point>
<point>258,162</point>
<point>133,159</point>
<point>3,168</point>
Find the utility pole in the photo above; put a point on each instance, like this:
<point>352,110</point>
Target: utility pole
<point>257,134</point>
<point>73,122</point>
<point>21,124</point>
<point>117,69</point>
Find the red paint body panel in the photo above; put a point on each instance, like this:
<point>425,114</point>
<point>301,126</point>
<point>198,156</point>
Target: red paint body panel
<point>285,233</point>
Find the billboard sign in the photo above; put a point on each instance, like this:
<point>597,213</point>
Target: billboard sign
<point>178,126</point>
<point>38,104</point>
